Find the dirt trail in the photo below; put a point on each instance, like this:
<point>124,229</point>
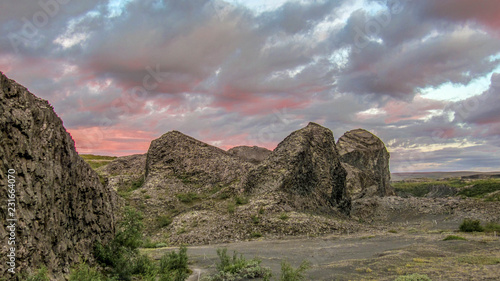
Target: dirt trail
<point>380,256</point>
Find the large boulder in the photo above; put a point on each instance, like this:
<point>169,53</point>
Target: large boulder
<point>366,161</point>
<point>61,207</point>
<point>253,154</point>
<point>305,169</point>
<point>179,163</point>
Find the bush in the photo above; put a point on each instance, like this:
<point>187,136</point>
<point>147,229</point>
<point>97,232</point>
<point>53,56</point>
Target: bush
<point>413,277</point>
<point>288,273</point>
<point>83,272</point>
<point>241,200</point>
<point>238,268</point>
<point>163,221</point>
<point>453,237</point>
<point>174,265</point>
<point>40,275</point>
<point>119,254</point>
<point>491,227</point>
<point>469,225</point>
<point>283,216</point>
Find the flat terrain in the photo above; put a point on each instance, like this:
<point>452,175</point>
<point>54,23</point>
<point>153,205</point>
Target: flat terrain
<point>381,255</point>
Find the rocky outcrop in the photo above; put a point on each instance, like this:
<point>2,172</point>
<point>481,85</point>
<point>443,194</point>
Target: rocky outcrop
<point>60,205</point>
<point>253,154</point>
<point>366,161</point>
<point>124,171</point>
<point>305,168</point>
<point>178,162</point>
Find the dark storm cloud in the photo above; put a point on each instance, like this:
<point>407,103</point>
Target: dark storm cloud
<point>229,75</point>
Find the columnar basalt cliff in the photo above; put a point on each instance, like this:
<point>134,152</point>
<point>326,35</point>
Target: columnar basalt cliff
<point>61,206</point>
<point>366,160</point>
<point>304,167</point>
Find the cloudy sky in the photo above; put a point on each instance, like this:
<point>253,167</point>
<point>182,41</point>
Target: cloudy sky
<point>422,75</point>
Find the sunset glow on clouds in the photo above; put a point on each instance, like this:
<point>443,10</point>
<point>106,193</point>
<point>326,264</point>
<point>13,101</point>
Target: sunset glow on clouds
<point>422,75</point>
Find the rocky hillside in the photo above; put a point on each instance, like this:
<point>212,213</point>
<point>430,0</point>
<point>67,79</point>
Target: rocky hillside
<point>192,192</point>
<point>366,161</point>
<point>61,207</point>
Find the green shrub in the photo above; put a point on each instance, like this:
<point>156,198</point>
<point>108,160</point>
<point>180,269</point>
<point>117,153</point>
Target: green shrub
<point>288,273</point>
<point>40,275</point>
<point>241,200</point>
<point>284,216</point>
<point>237,268</point>
<point>469,225</point>
<point>255,219</point>
<point>491,227</point>
<point>163,221</point>
<point>138,183</point>
<point>83,272</point>
<point>413,277</point>
<point>119,254</point>
<point>453,237</point>
<point>256,234</point>
<point>175,265</point>
<point>187,197</point>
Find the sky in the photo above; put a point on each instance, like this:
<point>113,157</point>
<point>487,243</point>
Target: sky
<point>424,76</point>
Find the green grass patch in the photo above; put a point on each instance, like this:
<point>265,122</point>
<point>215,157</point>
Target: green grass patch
<point>96,161</point>
<point>453,237</point>
<point>241,200</point>
<point>479,260</point>
<point>284,216</point>
<point>163,221</point>
<point>420,189</point>
<point>188,197</point>
<point>256,234</point>
<point>481,188</point>
<point>492,227</point>
<point>231,208</point>
<point>413,277</point>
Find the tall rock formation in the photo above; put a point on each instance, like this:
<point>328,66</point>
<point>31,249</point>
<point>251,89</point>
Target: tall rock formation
<point>366,161</point>
<point>175,156</point>
<point>253,154</point>
<point>305,167</point>
<point>60,205</point>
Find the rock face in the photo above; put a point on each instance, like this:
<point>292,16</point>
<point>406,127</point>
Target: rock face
<point>305,167</point>
<point>366,161</point>
<point>124,171</point>
<point>253,154</point>
<point>61,206</point>
<point>175,156</point>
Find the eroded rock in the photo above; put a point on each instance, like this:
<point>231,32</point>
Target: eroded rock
<point>61,206</point>
<point>366,161</point>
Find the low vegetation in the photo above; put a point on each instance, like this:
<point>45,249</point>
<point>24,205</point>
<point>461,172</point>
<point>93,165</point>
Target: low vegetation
<point>288,273</point>
<point>238,268</point>
<point>96,161</point>
<point>469,225</point>
<point>188,197</point>
<point>413,277</point>
<point>453,237</point>
<point>475,189</point>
